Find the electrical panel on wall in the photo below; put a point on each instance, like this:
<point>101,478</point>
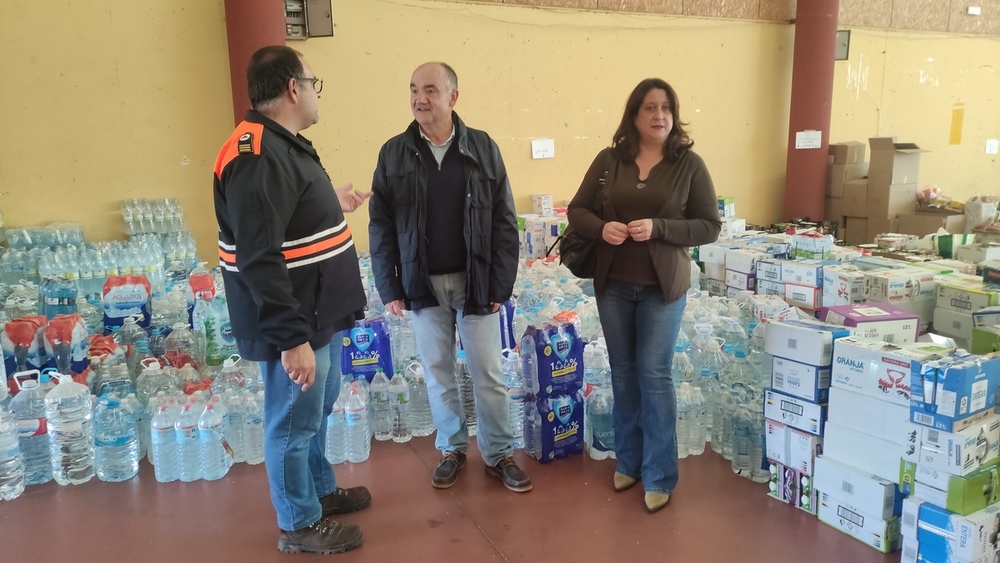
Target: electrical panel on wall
<point>308,18</point>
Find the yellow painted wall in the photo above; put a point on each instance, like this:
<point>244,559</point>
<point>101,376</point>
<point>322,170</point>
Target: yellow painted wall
<point>109,99</point>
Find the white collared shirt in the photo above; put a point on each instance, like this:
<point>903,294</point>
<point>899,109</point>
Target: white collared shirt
<point>439,150</point>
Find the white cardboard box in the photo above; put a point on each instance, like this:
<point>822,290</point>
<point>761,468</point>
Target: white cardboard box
<point>807,382</point>
<point>776,442</point>
<point>906,284</point>
<point>964,295</point>
<point>879,369</point>
<point>715,271</point>
<point>714,253</point>
<point>807,342</point>
<point>962,452</point>
<point>794,412</point>
<point>803,448</point>
<point>804,296</point>
<point>740,280</point>
<point>883,535</point>
<point>864,451</point>
<point>952,323</point>
<point>744,260</point>
<point>769,270</point>
<point>541,204</point>
<point>843,285</point>
<point>861,491</point>
<point>803,272</point>
<point>864,413</point>
<point>776,289</point>
<point>945,536</point>
<point>767,306</point>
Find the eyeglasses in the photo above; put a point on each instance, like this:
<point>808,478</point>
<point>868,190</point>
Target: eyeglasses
<point>317,82</point>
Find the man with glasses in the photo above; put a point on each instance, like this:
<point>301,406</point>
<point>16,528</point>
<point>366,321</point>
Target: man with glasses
<point>292,280</point>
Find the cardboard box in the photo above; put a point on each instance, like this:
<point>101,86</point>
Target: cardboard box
<point>769,270</point>
<point>978,252</point>
<point>811,246</point>
<point>843,285</point>
<point>874,321</point>
<point>808,495</point>
<point>901,284</point>
<point>806,342</point>
<point>883,535</point>
<point>965,295</point>
<point>837,176</point>
<point>716,287</point>
<point>834,211</point>
<point>952,323</point>
<point>804,296</point>
<point>856,231</point>
<point>541,204</point>
<point>959,494</point>
<point>803,272</point>
<point>767,306</point>
<point>871,415</point>
<point>780,250</point>
<point>890,201</point>
<point>908,519</point>
<point>855,198</point>
<point>776,445</point>
<point>962,452</point>
<point>727,206</point>
<point>803,448</point>
<point>848,152</point>
<point>861,491</point>
<point>921,224</point>
<point>715,271</point>
<point>744,260</point>
<point>869,263</point>
<point>875,455</point>
<point>800,380</point>
<point>879,369</point>
<point>880,225</point>
<point>740,280</point>
<point>985,340</point>
<point>732,227</point>
<point>794,412</point>
<point>893,163</point>
<point>950,393</point>
<point>945,536</point>
<point>783,484</point>
<point>714,253</point>
<point>775,289</point>
<point>986,317</point>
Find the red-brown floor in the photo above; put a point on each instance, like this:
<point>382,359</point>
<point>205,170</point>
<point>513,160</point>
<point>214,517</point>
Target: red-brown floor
<point>572,514</point>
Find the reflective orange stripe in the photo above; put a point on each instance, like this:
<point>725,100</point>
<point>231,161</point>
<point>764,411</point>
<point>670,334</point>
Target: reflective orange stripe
<point>231,149</point>
<point>227,256</point>
<point>318,247</point>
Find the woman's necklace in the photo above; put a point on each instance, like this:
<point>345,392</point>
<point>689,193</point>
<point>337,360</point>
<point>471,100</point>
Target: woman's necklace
<point>640,185</point>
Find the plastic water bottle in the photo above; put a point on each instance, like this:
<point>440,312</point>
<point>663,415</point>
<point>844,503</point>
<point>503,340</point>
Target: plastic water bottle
<point>235,406</point>
<point>382,423</point>
<point>718,406</point>
<point>685,413</point>
<point>71,434</point>
<point>696,439</point>
<point>465,392</point>
<point>336,431</point>
<point>681,368</point>
<point>116,442</point>
<point>734,336</point>
<point>598,409</point>
<point>739,370</point>
<point>743,435</point>
<point>215,458</point>
<point>761,361</point>
<point>154,379</point>
<point>421,421</point>
<point>358,437</point>
<point>28,407</point>
<point>164,445</point>
<point>375,306</point>
<point>11,461</point>
<point>230,378</point>
<point>514,382</point>
<point>135,408</point>
<point>399,402</point>
<point>57,296</point>
<point>134,339</point>
<point>188,448</point>
<point>253,428</point>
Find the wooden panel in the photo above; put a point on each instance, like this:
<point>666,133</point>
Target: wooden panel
<point>987,23</point>
<point>777,10</point>
<point>930,15</point>
<point>742,9</point>
<point>579,4</point>
<point>865,13</point>
<point>647,6</point>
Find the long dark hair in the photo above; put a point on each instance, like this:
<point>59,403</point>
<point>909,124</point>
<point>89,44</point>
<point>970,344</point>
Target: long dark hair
<point>626,140</point>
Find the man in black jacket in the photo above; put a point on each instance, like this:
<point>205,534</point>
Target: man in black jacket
<point>292,280</point>
<point>444,245</point>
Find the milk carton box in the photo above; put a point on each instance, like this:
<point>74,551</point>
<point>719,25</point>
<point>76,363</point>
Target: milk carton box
<point>874,321</point>
<point>879,369</point>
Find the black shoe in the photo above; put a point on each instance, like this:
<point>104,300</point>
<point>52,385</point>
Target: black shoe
<point>513,477</point>
<point>325,536</point>
<point>447,470</point>
<point>343,501</point>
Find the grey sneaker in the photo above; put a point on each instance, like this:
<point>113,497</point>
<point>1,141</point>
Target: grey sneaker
<point>325,536</point>
<point>447,470</point>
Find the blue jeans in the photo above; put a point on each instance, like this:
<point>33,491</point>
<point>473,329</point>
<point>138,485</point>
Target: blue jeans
<point>434,331</point>
<point>641,331</point>
<point>298,473</point>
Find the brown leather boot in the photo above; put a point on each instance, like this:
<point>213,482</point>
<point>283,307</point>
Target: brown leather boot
<point>325,536</point>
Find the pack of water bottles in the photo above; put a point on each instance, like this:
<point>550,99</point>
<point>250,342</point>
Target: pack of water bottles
<point>552,361</point>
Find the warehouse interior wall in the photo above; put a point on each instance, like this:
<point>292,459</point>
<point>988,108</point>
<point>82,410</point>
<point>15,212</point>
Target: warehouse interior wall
<point>115,99</point>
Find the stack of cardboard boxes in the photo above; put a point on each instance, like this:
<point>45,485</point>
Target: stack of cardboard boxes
<point>866,207</point>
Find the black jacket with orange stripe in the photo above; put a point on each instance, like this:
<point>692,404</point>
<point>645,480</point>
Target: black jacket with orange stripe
<point>287,256</point>
<point>398,222</point>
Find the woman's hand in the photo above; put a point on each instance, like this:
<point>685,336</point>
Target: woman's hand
<point>615,233</point>
<point>641,229</point>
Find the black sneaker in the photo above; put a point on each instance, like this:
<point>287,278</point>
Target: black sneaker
<point>325,536</point>
<point>513,477</point>
<point>447,470</point>
<point>343,501</point>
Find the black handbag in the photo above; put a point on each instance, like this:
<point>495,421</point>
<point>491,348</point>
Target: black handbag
<point>576,252</point>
